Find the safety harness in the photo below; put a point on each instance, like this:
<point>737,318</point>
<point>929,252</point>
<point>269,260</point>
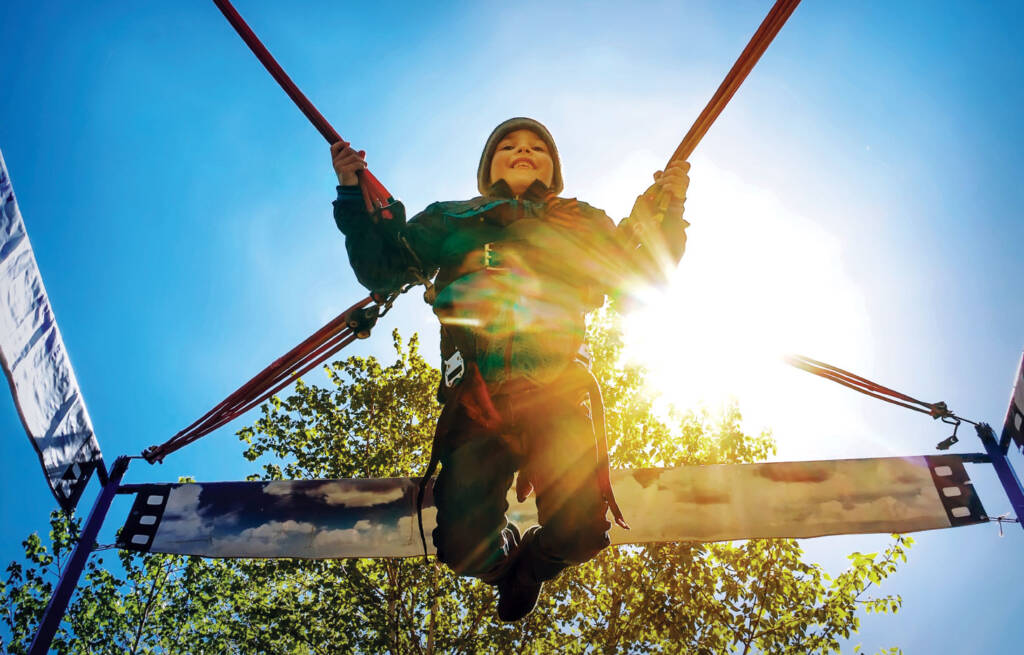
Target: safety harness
<point>472,397</point>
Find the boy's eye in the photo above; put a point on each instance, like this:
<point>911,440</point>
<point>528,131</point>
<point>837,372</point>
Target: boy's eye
<point>505,147</point>
<point>539,148</point>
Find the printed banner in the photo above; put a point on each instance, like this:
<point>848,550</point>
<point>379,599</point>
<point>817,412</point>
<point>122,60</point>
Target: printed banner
<point>1013,427</point>
<point>32,352</point>
<point>377,518</point>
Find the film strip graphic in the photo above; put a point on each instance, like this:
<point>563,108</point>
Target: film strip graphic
<point>955,490</point>
<point>145,516</point>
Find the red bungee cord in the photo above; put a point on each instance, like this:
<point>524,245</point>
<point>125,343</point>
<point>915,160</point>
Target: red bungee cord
<point>356,321</point>
<point>770,26</point>
<point>351,324</point>
<point>377,197</point>
<point>345,328</point>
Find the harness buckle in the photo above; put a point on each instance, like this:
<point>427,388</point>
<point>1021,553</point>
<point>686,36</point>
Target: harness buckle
<point>490,262</point>
<point>454,368</point>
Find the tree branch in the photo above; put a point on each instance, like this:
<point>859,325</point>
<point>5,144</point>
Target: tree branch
<point>485,607</point>
<point>154,592</point>
<point>766,575</point>
<point>889,555</point>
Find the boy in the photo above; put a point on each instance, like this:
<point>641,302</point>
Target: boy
<point>517,270</point>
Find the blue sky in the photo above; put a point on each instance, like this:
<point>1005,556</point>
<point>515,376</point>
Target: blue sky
<point>857,202</point>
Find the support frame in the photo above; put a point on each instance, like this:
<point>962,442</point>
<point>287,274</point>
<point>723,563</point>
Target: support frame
<point>58,605</point>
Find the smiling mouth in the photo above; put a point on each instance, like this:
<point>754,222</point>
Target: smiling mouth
<point>522,162</point>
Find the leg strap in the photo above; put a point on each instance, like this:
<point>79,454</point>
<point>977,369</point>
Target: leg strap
<point>601,437</point>
<point>472,396</point>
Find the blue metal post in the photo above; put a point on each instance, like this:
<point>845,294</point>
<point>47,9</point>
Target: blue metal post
<point>54,613</point>
<point>1007,476</point>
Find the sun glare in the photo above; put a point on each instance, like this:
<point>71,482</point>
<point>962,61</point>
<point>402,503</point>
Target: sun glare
<point>757,282</point>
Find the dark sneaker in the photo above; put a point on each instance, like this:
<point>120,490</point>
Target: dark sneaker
<point>517,593</point>
<point>515,598</point>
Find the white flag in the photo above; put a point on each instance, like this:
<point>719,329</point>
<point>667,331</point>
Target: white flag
<point>1014,424</point>
<point>37,366</point>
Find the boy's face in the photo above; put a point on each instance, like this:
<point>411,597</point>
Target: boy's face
<point>520,158</point>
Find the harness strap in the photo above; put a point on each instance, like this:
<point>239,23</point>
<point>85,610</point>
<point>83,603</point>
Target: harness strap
<point>604,480</point>
<point>443,424</point>
<point>472,396</point>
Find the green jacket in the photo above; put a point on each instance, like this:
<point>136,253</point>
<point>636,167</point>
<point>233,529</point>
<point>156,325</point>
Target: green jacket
<point>514,275</point>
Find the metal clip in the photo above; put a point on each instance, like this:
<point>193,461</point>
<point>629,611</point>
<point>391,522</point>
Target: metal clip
<point>951,439</point>
<point>362,320</point>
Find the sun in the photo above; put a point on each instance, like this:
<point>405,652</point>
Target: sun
<point>756,282</point>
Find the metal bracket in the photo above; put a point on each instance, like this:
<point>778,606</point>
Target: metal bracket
<point>1007,476</point>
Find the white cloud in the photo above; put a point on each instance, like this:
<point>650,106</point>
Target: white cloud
<point>331,542</point>
<point>273,538</point>
<point>182,520</point>
<point>339,492</point>
<point>279,488</point>
<point>354,494</point>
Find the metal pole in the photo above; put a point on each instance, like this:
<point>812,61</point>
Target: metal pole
<point>1007,476</point>
<point>54,613</point>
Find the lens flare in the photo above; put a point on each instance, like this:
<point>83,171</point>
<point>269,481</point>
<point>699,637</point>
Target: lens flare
<point>757,282</point>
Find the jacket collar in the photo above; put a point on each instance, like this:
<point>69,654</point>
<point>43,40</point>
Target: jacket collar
<point>537,191</point>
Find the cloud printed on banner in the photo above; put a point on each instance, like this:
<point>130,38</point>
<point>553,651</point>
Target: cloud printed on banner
<point>185,520</point>
<point>273,537</point>
<point>796,472</point>
<point>795,499</point>
<point>343,492</point>
<point>366,538</point>
<point>288,518</point>
<point>697,491</point>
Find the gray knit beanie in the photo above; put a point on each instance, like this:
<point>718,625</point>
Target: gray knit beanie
<point>483,173</point>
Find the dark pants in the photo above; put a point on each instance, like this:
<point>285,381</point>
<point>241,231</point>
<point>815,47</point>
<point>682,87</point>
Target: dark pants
<point>549,435</point>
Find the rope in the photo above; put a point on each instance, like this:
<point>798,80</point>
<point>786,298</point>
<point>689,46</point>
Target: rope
<point>376,197</point>
<point>937,410</point>
<point>324,343</point>
<point>604,481</point>
<point>762,38</point>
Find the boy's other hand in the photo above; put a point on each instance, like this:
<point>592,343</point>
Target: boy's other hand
<point>674,180</point>
<point>347,162</point>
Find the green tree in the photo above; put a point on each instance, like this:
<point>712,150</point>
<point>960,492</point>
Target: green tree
<point>377,421</point>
